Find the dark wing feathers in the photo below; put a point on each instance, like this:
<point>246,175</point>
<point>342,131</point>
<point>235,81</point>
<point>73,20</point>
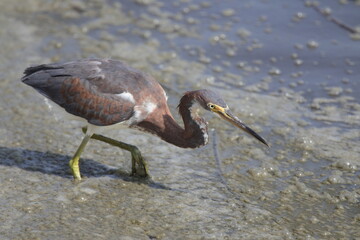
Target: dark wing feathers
<point>87,88</point>
<point>41,78</point>
<point>43,67</point>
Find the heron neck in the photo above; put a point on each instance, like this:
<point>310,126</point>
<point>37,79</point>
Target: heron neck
<point>193,135</point>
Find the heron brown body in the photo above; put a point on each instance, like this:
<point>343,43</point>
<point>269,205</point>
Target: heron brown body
<point>109,92</point>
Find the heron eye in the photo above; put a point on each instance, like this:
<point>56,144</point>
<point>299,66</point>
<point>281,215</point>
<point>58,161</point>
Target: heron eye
<point>211,106</point>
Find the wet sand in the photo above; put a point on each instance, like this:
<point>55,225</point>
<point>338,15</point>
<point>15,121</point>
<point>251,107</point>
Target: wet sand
<point>287,71</point>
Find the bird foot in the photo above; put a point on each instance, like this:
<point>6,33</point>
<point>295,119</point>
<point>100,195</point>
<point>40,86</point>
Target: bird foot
<point>140,169</point>
<point>139,172</point>
<point>139,165</point>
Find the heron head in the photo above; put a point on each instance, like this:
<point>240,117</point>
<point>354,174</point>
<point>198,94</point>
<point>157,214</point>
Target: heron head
<point>214,103</point>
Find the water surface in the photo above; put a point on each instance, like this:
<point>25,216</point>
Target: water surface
<point>284,69</point>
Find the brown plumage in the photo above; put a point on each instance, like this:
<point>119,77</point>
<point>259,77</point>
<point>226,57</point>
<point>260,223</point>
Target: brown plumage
<point>109,92</point>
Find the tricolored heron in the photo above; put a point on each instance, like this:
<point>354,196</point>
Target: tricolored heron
<point>109,93</point>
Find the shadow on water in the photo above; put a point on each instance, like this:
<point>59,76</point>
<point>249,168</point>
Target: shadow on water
<point>57,164</point>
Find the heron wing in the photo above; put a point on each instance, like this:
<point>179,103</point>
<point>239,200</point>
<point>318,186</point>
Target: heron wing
<point>100,91</point>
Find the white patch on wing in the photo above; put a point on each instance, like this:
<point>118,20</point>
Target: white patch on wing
<point>126,96</point>
<point>149,107</point>
<point>141,112</point>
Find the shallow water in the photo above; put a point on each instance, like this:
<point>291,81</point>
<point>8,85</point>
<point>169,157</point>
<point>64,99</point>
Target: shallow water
<point>286,70</point>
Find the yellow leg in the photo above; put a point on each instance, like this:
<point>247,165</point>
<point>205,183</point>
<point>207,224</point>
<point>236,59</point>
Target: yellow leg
<point>138,164</point>
<point>136,158</point>
<point>74,162</point>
